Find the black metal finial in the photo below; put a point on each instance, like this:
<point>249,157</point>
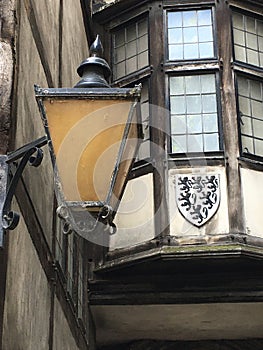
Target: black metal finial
<point>96,49</point>
<point>94,70</point>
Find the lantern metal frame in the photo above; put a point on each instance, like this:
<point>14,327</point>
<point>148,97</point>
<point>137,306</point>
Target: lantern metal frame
<point>94,72</point>
<point>13,164</point>
<point>105,213</point>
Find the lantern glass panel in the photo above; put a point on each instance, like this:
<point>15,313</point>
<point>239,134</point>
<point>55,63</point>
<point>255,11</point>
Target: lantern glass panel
<point>86,136</point>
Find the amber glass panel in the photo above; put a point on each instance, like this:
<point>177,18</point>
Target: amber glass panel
<point>86,136</point>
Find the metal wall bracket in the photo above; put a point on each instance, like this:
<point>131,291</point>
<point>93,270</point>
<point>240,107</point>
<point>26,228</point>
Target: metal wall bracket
<point>3,190</point>
<point>30,153</point>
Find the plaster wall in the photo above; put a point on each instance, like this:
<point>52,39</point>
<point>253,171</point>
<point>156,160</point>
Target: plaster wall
<point>185,231</point>
<point>252,195</point>
<point>135,218</point>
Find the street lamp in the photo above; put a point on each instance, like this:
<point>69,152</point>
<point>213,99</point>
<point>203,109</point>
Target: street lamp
<point>93,133</point>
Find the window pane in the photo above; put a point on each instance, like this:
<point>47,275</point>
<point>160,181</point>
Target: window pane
<point>211,142</point>
<point>250,24</point>
<point>252,41</point>
<point>247,145</point>
<point>240,53</point>
<point>178,124</point>
<point>204,17</point>
<point>209,103</point>
<point>131,49</point>
<point>238,20</point>
<point>252,57</point>
<point>259,147</point>
<point>243,88</point>
<point>193,104</point>
<point>206,50</point>
<point>131,33</point>
<point>195,143</point>
<point>131,65</point>
<point>210,123</point>
<point>190,51</point>
<point>119,38</point>
<point>175,36</point>
<point>175,19</point>
<point>192,84</point>
<point>120,69</point>
<point>177,85</point>
<point>178,105</point>
<point>205,34</point>
<point>190,35</point>
<point>194,124</point>
<point>208,83</point>
<point>255,90</point>
<point>143,59</point>
<point>258,128</point>
<point>239,37</point>
<point>189,18</point>
<point>244,106</point>
<point>120,54</point>
<point>176,52</point>
<point>143,43</point>
<point>179,144</point>
<point>142,28</point>
<point>246,125</point>
<point>257,109</point>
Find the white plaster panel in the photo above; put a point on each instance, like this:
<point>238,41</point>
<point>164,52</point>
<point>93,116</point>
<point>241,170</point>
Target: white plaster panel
<point>135,218</point>
<point>217,225</point>
<point>252,188</point>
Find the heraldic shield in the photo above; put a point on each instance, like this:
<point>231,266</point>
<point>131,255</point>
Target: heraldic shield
<point>197,196</point>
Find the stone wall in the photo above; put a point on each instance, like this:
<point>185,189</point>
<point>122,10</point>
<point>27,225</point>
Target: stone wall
<point>7,25</point>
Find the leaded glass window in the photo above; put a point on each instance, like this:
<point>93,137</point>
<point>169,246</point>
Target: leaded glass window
<point>144,150</point>
<point>250,97</point>
<point>248,39</point>
<point>190,35</point>
<point>130,48</point>
<point>194,119</point>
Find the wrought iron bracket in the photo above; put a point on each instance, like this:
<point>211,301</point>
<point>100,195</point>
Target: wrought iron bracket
<point>30,153</point>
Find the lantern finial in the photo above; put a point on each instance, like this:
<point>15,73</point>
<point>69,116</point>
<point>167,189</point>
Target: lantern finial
<point>96,49</point>
<point>94,71</point>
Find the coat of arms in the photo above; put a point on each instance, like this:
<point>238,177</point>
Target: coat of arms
<point>197,197</point>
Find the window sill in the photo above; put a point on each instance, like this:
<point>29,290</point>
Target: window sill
<point>196,159</point>
<point>251,162</point>
<point>133,77</point>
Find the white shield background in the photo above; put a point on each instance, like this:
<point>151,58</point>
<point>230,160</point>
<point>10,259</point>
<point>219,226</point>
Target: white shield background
<point>197,196</point>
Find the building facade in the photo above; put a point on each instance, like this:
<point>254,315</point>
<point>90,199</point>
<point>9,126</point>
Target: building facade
<point>184,268</point>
